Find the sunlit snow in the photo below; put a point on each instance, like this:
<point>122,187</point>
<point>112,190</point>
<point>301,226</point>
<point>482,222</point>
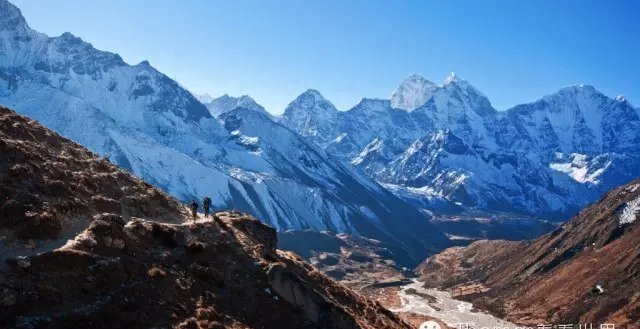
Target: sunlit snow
<point>630,211</point>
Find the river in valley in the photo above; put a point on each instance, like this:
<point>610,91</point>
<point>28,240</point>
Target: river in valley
<point>453,312</point>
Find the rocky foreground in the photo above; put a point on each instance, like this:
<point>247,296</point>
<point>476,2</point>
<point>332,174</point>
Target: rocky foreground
<point>223,273</point>
<point>586,271</point>
<point>86,244</point>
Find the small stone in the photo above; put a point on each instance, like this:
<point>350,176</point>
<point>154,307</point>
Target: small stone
<point>91,278</point>
<point>598,289</point>
<point>23,262</point>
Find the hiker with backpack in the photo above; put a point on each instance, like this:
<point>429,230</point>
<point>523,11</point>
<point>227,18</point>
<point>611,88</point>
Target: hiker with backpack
<point>206,204</point>
<point>194,209</point>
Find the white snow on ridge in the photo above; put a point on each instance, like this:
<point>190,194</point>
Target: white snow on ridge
<point>413,92</point>
<point>632,188</point>
<point>226,103</point>
<point>449,138</point>
<point>578,169</point>
<point>630,212</point>
<point>204,98</point>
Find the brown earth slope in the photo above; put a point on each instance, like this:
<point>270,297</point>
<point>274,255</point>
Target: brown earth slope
<point>50,187</point>
<point>362,264</point>
<point>586,271</point>
<point>356,261</point>
<point>121,270</point>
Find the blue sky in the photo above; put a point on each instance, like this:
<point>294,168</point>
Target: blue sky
<point>513,51</point>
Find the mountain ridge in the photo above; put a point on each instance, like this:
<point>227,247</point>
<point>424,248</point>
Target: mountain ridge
<point>148,124</point>
<point>559,152</point>
<point>226,103</point>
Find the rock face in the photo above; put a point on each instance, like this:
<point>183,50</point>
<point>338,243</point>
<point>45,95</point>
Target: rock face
<point>447,142</point>
<point>149,125</point>
<point>69,264</point>
<point>586,271</point>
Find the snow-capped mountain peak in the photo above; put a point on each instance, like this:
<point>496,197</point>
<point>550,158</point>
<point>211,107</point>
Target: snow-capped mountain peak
<point>310,100</point>
<point>418,79</point>
<point>311,97</point>
<point>314,92</point>
<point>226,103</point>
<point>245,99</point>
<point>455,81</point>
<point>312,116</point>
<point>451,78</point>
<point>12,19</point>
<point>372,105</point>
<point>413,92</point>
<point>488,158</point>
<point>204,98</point>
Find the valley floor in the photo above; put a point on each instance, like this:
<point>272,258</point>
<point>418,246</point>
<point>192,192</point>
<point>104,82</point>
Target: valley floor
<point>417,300</point>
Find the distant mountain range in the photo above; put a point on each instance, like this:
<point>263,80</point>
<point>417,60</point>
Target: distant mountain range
<point>547,158</point>
<point>226,103</point>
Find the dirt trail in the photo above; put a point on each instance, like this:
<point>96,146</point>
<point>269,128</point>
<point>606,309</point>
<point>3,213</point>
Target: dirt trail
<point>12,246</point>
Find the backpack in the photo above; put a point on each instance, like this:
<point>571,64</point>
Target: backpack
<point>206,202</point>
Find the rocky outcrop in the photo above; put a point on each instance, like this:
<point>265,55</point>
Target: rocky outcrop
<point>210,274</point>
<point>264,235</point>
<point>297,292</point>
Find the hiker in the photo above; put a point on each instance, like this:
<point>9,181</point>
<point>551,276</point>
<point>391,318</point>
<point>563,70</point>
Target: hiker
<point>206,204</point>
<point>194,209</point>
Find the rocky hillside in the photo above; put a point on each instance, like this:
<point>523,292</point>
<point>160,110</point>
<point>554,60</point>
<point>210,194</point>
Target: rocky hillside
<point>86,244</point>
<point>362,264</point>
<point>586,271</point>
<point>355,261</point>
<point>50,187</point>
